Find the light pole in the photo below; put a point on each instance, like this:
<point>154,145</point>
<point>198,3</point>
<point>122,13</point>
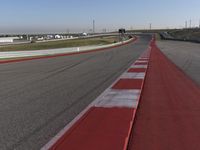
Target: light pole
<point>186,24</point>
<point>93,26</point>
<point>199,23</point>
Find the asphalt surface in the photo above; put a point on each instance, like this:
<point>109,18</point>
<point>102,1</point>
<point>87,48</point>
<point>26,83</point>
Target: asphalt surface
<point>185,55</point>
<point>39,97</point>
<point>168,116</point>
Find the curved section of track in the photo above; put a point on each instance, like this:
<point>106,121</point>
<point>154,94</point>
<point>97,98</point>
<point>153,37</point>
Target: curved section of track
<point>39,97</point>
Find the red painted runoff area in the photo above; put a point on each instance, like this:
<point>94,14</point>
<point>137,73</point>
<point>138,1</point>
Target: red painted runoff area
<point>100,128</point>
<point>168,117</point>
<point>128,84</point>
<point>138,70</point>
<point>141,63</point>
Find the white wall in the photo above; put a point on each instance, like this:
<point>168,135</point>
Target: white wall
<point>7,39</point>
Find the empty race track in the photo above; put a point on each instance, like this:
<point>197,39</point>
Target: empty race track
<point>39,97</point>
<point>185,55</point>
<point>168,113</point>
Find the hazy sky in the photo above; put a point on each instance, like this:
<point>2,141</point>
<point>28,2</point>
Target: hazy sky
<point>18,16</point>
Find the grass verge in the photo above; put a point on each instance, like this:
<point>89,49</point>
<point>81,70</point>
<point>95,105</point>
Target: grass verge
<point>61,44</point>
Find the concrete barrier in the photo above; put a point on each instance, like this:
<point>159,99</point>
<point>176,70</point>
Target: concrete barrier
<point>33,53</point>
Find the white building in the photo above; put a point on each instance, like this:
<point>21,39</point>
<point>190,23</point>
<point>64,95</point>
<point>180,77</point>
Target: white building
<point>40,38</point>
<point>8,39</point>
<point>84,34</point>
<point>58,36</point>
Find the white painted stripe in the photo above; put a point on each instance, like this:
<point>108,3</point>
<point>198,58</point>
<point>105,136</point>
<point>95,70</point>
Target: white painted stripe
<point>139,66</point>
<point>121,94</point>
<point>141,61</point>
<point>133,75</point>
<point>119,104</point>
<point>143,58</point>
<point>119,98</point>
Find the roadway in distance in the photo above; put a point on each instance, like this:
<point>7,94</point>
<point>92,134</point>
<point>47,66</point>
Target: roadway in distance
<point>39,97</point>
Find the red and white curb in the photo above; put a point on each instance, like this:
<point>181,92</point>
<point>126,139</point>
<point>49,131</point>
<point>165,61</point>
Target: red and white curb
<point>106,123</point>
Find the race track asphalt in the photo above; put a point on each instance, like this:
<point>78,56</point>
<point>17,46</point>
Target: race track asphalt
<point>185,55</point>
<point>39,97</point>
<point>168,114</point>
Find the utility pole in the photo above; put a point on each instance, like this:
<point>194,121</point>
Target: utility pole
<point>186,24</point>
<point>93,26</point>
<point>190,23</point>
<point>104,30</point>
<point>27,37</point>
<point>199,23</point>
<point>68,31</point>
<point>150,26</point>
